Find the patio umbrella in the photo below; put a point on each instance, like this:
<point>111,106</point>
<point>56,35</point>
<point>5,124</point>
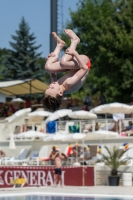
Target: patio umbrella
<point>112,108</point>
<point>58,137</point>
<point>48,138</point>
<point>67,137</point>
<point>31,134</point>
<point>12,145</point>
<point>17,115</point>
<point>101,134</point>
<point>17,100</point>
<point>58,114</point>
<point>39,113</point>
<point>76,136</point>
<point>82,114</point>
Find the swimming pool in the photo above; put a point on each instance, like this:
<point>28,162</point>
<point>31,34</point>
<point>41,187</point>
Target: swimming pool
<point>41,197</point>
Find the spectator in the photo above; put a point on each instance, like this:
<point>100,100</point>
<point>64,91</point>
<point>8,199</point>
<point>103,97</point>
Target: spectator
<point>85,107</point>
<point>69,104</point>
<point>2,154</point>
<point>28,103</point>
<point>74,152</point>
<point>102,99</point>
<point>130,126</point>
<point>87,100</point>
<point>53,154</point>
<point>85,155</point>
<point>97,126</point>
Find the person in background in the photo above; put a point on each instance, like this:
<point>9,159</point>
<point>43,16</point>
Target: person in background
<point>2,154</point>
<point>58,170</point>
<point>87,100</point>
<point>53,154</point>
<point>130,126</point>
<point>97,126</point>
<point>102,99</point>
<point>85,107</point>
<point>85,155</point>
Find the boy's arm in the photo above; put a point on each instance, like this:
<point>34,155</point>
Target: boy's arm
<point>80,73</point>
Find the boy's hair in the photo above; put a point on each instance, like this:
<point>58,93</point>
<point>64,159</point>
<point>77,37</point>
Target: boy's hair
<point>52,103</point>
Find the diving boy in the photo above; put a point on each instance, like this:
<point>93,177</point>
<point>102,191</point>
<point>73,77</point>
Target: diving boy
<point>78,67</point>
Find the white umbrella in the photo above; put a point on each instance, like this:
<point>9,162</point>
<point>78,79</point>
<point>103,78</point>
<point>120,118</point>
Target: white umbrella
<point>12,142</point>
<point>101,134</point>
<point>31,134</point>
<point>39,113</point>
<point>16,116</point>
<point>48,138</point>
<point>58,137</point>
<point>112,108</point>
<point>22,112</point>
<point>17,100</point>
<point>58,114</point>
<point>67,137</point>
<point>98,109</point>
<point>78,136</point>
<point>12,145</point>
<point>82,114</point>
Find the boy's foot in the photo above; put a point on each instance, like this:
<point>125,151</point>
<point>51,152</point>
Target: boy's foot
<point>72,36</point>
<point>60,42</point>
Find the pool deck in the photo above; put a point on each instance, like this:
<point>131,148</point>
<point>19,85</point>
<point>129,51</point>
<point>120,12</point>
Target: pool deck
<point>104,191</point>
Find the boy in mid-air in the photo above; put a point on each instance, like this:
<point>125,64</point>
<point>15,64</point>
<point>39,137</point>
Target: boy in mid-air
<point>78,67</point>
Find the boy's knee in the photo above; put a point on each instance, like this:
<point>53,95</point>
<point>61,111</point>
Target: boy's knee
<point>63,63</point>
<point>48,67</point>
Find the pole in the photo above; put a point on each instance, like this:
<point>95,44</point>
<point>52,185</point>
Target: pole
<point>83,178</point>
<point>53,28</point>
<point>30,92</point>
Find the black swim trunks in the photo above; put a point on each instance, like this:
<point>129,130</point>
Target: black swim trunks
<point>58,171</point>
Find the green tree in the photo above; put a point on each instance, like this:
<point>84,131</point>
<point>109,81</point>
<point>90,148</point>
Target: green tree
<point>3,52</point>
<point>105,28</point>
<point>21,62</point>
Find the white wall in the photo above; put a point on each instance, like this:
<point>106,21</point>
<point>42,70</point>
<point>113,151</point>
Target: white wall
<point>3,97</point>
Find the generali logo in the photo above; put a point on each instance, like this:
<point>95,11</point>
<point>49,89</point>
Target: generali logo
<point>32,177</point>
<point>1,180</point>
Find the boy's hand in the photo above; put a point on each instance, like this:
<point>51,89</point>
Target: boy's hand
<point>70,51</point>
<point>50,55</point>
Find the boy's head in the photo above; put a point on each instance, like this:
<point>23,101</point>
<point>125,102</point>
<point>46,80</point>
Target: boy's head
<point>53,97</point>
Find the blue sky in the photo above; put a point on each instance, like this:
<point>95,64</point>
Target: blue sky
<point>36,14</point>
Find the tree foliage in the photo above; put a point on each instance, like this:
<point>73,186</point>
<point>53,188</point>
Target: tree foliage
<point>115,158</point>
<point>21,62</point>
<point>105,28</point>
<point>3,52</point>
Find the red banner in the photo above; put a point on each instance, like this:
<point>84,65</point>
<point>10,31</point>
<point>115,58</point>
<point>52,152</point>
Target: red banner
<point>43,176</point>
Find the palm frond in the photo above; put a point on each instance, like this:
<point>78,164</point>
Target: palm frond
<point>115,158</point>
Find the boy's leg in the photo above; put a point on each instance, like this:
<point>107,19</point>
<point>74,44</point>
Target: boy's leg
<point>53,65</point>
<point>67,61</point>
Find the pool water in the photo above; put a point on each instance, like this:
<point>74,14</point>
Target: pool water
<point>36,197</point>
